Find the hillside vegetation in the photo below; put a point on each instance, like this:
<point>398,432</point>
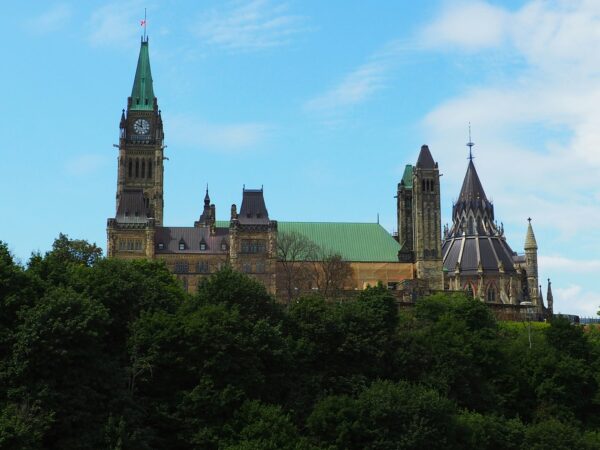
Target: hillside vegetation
<point>100,353</point>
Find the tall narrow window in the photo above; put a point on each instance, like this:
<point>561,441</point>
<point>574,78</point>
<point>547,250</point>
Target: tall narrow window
<point>137,168</point>
<point>149,168</point>
<point>470,290</point>
<point>143,168</point>
<point>130,168</point>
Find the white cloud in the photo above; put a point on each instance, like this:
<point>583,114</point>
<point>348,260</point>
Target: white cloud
<point>116,24</point>
<point>575,299</point>
<point>555,90</point>
<point>467,25</point>
<point>51,20</point>
<point>85,164</point>
<point>194,132</point>
<point>564,264</point>
<point>249,25</point>
<point>360,84</point>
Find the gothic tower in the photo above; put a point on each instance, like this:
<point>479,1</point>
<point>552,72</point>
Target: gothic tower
<point>405,215</point>
<point>141,146</point>
<point>426,219</point>
<point>531,265</point>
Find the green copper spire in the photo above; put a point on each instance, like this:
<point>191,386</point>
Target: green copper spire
<point>142,94</point>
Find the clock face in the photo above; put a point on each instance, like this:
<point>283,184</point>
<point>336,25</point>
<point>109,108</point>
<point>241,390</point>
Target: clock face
<point>141,126</point>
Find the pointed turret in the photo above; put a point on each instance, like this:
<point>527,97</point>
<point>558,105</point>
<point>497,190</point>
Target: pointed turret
<point>472,189</point>
<point>550,298</point>
<point>206,198</point>
<point>142,94</point>
<point>425,160</point>
<point>207,216</point>
<point>531,265</point>
<point>530,242</point>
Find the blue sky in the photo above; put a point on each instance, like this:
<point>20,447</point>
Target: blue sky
<point>323,103</point>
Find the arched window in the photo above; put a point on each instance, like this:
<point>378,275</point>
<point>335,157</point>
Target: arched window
<point>470,290</point>
<point>130,168</point>
<point>137,167</point>
<point>149,168</point>
<point>491,294</point>
<point>143,168</point>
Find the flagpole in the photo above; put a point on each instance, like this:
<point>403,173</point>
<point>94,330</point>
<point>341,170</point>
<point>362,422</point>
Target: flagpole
<point>145,24</point>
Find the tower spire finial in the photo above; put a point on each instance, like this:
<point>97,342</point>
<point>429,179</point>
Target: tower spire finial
<point>143,23</point>
<point>470,144</point>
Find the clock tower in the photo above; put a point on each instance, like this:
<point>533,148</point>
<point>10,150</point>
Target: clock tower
<point>141,148</point>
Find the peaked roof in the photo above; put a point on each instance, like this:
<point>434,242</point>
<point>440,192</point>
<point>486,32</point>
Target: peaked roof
<point>131,207</point>
<point>253,209</point>
<point>530,242</point>
<point>472,188</point>
<point>142,93</point>
<point>407,177</point>
<point>425,160</point>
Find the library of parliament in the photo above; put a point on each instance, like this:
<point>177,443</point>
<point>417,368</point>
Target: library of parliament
<point>471,255</point>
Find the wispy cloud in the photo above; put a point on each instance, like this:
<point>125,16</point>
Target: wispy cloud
<point>188,131</point>
<point>556,90</point>
<point>472,25</point>
<point>576,298</point>
<point>116,24</point>
<point>86,164</point>
<point>564,264</point>
<point>51,20</point>
<point>249,25</point>
<point>360,84</point>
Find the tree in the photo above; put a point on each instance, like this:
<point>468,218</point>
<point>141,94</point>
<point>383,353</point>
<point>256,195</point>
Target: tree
<point>294,250</point>
<point>237,290</point>
<point>452,345</point>
<point>66,254</point>
<point>385,416</point>
<point>330,272</point>
<point>60,365</point>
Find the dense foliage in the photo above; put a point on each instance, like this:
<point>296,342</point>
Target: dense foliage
<point>105,354</point>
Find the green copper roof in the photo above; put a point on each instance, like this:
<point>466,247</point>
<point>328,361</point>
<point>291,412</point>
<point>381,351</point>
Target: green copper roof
<point>142,94</point>
<point>359,242</point>
<point>353,241</point>
<point>407,177</point>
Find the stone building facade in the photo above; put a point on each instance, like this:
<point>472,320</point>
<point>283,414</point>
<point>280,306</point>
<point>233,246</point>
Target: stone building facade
<point>472,255</point>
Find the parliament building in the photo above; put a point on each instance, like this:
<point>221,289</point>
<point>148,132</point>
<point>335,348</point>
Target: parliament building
<point>471,255</point>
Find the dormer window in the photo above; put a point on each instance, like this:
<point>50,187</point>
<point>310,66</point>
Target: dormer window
<point>202,246</point>
<point>161,246</point>
<point>182,244</point>
<point>223,246</point>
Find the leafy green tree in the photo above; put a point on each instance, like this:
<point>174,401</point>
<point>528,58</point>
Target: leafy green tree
<point>259,426</point>
<point>59,362</point>
<point>201,364</point>
<point>55,266</point>
<point>385,416</point>
<point>451,344</point>
<point>555,435</point>
<point>237,290</point>
<point>482,432</point>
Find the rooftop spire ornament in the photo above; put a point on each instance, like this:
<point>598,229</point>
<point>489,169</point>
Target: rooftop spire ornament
<point>470,144</point>
<point>143,24</point>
